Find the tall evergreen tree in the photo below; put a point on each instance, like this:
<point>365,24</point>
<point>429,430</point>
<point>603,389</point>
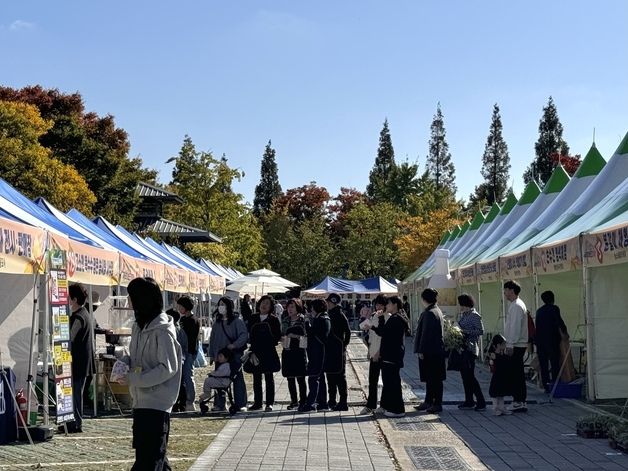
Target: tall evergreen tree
<point>439,165</point>
<point>549,143</point>
<point>495,163</point>
<point>383,170</point>
<point>268,188</point>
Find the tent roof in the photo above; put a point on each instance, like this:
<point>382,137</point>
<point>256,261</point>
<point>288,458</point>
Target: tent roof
<point>477,221</point>
<point>445,237</point>
<point>530,193</point>
<point>592,164</point>
<point>557,181</point>
<point>492,214</point>
<point>511,202</point>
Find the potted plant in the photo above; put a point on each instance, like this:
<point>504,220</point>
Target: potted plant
<point>618,436</point>
<point>595,426</point>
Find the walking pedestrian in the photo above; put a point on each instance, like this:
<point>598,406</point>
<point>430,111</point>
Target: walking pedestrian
<point>500,380</point>
<point>516,333</point>
<point>392,351</point>
<point>191,325</point>
<point>264,335</point>
<point>246,309</point>
<point>550,329</point>
<point>229,331</point>
<point>374,343</point>
<point>294,356</point>
<point>182,338</point>
<point>154,374</point>
<point>472,328</point>
<point>336,354</point>
<point>430,347</point>
<point>318,327</point>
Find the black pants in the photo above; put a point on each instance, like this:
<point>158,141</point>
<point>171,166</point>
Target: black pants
<point>551,355</point>
<point>434,393</point>
<point>337,382</point>
<point>392,397</point>
<point>292,387</point>
<point>518,378</point>
<point>375,367</point>
<point>151,429</point>
<point>318,391</point>
<point>270,388</point>
<point>469,381</point>
<point>78,385</point>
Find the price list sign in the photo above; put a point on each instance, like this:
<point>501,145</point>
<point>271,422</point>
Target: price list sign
<point>60,315</point>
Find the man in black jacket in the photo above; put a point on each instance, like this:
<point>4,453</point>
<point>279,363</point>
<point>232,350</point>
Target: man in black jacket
<point>550,329</point>
<point>336,353</point>
<point>82,347</point>
<point>191,326</point>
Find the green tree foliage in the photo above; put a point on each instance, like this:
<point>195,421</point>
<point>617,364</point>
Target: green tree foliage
<point>369,247</point>
<point>383,169</point>
<point>268,189</point>
<point>439,164</point>
<point>205,183</point>
<point>550,142</point>
<point>91,144</point>
<point>340,207</point>
<point>495,163</point>
<point>29,166</point>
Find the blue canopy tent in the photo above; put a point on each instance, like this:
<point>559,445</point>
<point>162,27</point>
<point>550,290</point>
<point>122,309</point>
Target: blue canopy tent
<point>368,286</point>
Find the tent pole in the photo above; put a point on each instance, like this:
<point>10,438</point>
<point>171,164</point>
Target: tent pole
<point>500,283</point>
<point>477,283</point>
<point>588,341</point>
<point>46,340</point>
<point>92,339</point>
<point>535,280</point>
<point>31,352</point>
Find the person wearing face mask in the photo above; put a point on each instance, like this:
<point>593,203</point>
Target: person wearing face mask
<point>430,347</point>
<point>229,331</point>
<point>264,335</point>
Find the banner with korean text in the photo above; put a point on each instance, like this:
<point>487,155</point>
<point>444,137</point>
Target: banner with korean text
<point>22,248</point>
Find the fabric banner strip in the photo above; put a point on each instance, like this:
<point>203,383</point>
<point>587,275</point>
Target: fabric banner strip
<point>556,258</point>
<point>606,248</point>
<point>22,248</point>
<point>516,266</point>
<point>87,264</point>
<point>467,275</point>
<point>487,272</point>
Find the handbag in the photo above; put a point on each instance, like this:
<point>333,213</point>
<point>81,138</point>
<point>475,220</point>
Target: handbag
<point>250,362</point>
<point>454,362</point>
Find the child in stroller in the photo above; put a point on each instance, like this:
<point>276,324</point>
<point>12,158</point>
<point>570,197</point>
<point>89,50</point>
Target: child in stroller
<point>218,381</point>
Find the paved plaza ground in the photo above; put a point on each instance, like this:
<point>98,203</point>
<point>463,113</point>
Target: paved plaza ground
<point>542,439</point>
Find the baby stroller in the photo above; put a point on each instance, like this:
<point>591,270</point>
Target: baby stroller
<point>204,403</point>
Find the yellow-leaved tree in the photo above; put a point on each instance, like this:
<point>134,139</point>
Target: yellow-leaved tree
<point>30,168</point>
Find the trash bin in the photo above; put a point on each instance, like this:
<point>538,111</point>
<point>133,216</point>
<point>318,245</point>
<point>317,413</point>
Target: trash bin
<point>8,417</point>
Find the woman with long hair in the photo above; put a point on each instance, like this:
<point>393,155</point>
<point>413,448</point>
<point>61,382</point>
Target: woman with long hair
<point>294,357</point>
<point>154,374</point>
<point>229,331</point>
<point>430,347</point>
<point>264,335</point>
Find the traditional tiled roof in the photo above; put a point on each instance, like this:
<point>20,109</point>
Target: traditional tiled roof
<point>146,190</point>
<point>167,228</point>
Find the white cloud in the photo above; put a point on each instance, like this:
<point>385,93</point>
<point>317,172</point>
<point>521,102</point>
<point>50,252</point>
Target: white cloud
<point>21,25</point>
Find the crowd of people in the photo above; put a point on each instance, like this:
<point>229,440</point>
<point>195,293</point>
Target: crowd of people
<point>314,337</point>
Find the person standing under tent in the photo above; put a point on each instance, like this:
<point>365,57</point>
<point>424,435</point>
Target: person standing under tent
<point>154,375</point>
<point>246,309</point>
<point>430,347</point>
<point>294,355</point>
<point>229,332</point>
<point>374,342</point>
<point>550,329</point>
<point>317,327</point>
<point>264,335</point>
<point>191,325</point>
<point>182,338</point>
<point>82,349</point>
<point>392,351</point>
<point>516,333</point>
<point>472,328</point>
<point>336,354</point>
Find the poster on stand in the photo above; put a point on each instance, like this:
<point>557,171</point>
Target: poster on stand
<point>60,322</point>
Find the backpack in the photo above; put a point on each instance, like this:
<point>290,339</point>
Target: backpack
<point>531,328</point>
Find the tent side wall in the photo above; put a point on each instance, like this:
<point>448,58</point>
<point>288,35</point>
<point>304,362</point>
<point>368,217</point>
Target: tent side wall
<point>491,304</point>
<point>608,298</point>
<point>569,293</point>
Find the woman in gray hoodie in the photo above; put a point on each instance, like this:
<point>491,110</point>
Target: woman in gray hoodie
<point>154,374</point>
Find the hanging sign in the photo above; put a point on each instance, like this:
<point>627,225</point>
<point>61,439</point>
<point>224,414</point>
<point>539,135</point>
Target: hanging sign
<point>60,316</point>
<point>516,266</point>
<point>22,247</point>
<point>487,272</point>
<point>606,248</point>
<point>467,275</point>
<point>559,257</point>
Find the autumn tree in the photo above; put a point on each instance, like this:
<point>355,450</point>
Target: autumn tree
<point>339,208</point>
<point>205,184</point>
<point>495,163</point>
<point>305,202</point>
<point>549,143</point>
<point>571,163</point>
<point>382,172</point>
<point>94,145</point>
<point>439,164</point>
<point>30,167</point>
<point>268,189</point>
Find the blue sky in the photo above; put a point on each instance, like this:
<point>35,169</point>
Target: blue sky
<point>318,78</point>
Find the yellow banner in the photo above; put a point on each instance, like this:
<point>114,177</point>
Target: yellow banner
<point>487,272</point>
<point>193,282</point>
<point>131,267</point>
<point>203,282</point>
<point>516,266</point>
<point>556,258</point>
<point>216,284</point>
<point>176,280</point>
<point>467,275</point>
<point>22,248</point>
<point>88,264</point>
<point>606,248</point>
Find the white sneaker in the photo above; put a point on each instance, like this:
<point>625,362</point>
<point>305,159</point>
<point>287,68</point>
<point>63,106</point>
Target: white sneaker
<point>366,411</point>
<point>517,407</point>
<point>393,414</point>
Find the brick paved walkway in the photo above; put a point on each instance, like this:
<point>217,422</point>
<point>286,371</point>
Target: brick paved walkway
<point>543,439</point>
